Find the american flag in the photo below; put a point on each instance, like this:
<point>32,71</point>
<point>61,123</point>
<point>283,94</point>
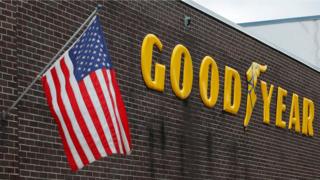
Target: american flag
<point>84,99</point>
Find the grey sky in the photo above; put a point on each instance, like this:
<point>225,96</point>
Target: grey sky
<point>257,10</point>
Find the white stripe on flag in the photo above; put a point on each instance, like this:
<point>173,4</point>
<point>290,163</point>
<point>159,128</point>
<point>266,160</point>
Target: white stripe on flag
<point>83,108</point>
<point>123,133</point>
<point>71,115</point>
<point>98,108</point>
<point>56,108</point>
<point>110,107</point>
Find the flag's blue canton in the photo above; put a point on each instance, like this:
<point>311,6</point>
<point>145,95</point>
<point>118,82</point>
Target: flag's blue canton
<point>90,52</point>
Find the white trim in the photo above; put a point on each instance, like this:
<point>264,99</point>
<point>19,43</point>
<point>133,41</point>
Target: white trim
<point>280,21</point>
<point>239,28</point>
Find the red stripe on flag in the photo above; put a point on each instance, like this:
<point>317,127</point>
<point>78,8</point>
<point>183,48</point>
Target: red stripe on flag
<point>98,88</point>
<point>67,150</point>
<point>121,107</point>
<point>77,112</point>
<point>93,115</point>
<point>104,71</point>
<point>66,118</point>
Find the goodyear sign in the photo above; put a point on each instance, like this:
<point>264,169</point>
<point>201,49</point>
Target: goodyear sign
<point>232,86</point>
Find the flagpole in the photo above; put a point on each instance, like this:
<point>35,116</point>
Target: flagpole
<point>5,113</point>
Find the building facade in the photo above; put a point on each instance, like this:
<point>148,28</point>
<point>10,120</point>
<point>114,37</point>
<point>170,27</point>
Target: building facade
<point>171,138</point>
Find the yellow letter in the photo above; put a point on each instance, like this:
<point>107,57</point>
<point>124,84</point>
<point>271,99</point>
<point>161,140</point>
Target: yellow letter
<point>229,76</point>
<point>266,101</point>
<point>294,113</point>
<point>176,56</point>
<point>252,77</point>
<point>308,116</point>
<point>280,108</point>
<point>214,83</point>
<point>146,60</point>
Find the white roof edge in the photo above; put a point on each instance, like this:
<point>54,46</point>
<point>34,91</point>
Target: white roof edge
<point>280,21</point>
<point>239,28</point>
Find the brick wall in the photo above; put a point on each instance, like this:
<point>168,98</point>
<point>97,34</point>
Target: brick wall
<point>9,147</point>
<point>172,139</point>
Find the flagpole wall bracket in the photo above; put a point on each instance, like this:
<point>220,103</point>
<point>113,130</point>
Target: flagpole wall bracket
<point>99,7</point>
<point>3,115</point>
